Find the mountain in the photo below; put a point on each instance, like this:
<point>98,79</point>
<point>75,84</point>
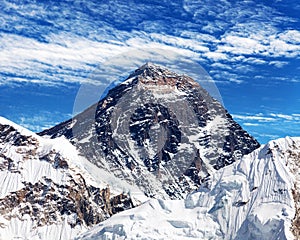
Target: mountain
<point>159,147</point>
<point>157,130</point>
<point>256,197</point>
<point>47,191</point>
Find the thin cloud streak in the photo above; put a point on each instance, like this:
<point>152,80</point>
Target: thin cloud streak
<point>79,45</point>
<point>271,117</point>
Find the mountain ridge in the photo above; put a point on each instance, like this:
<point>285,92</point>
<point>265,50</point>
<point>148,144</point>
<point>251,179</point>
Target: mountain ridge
<point>254,198</point>
<point>47,190</point>
<point>147,125</point>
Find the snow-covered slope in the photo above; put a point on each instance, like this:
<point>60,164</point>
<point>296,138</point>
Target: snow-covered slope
<point>254,198</point>
<point>46,191</point>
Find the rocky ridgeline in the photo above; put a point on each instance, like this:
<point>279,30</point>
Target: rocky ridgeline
<point>158,130</point>
<point>41,189</point>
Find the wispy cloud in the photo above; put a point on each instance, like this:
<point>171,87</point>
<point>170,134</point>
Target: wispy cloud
<point>68,58</point>
<point>58,43</point>
<point>292,117</point>
<point>40,120</point>
<point>268,126</point>
<point>226,76</point>
<point>278,64</point>
<point>275,45</point>
<point>216,56</point>
<point>271,117</point>
<point>257,117</point>
<point>256,41</point>
<point>250,124</point>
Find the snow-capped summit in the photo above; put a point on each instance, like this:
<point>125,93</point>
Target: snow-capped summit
<point>153,74</point>
<point>160,131</point>
<point>150,65</point>
<point>47,191</point>
<point>256,197</point>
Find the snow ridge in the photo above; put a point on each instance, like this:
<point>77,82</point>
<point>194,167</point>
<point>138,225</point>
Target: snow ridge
<point>251,199</point>
<point>46,191</point>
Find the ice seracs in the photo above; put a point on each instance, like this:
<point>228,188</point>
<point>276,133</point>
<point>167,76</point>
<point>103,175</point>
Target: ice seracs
<point>254,198</point>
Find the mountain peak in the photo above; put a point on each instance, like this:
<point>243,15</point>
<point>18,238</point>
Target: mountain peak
<point>46,186</point>
<point>152,66</point>
<point>150,70</point>
<point>149,66</point>
<point>153,74</point>
<point>159,130</point>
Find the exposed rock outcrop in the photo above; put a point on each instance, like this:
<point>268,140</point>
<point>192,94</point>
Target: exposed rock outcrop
<point>41,187</point>
<point>158,130</point>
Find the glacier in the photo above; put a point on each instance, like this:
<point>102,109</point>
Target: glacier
<point>254,198</point>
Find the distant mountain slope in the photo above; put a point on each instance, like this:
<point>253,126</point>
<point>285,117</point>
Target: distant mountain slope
<point>45,190</point>
<point>254,198</point>
<point>159,131</point>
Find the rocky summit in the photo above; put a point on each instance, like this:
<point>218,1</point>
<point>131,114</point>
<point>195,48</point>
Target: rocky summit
<point>159,131</point>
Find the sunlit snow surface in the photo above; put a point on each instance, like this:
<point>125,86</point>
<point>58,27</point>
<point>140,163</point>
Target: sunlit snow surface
<point>30,169</point>
<point>250,199</point>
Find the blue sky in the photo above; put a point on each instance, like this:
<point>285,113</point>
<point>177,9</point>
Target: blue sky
<point>251,49</point>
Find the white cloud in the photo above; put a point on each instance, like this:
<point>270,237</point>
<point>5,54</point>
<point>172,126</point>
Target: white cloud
<point>221,66</point>
<point>216,56</point>
<point>278,64</point>
<point>180,42</point>
<point>280,48</point>
<point>201,37</point>
<point>240,45</point>
<point>267,126</point>
<point>271,46</point>
<point>225,76</point>
<point>250,124</point>
<point>255,117</point>
<point>271,117</point>
<point>253,60</point>
<point>292,117</point>
<point>70,58</point>
<point>71,53</point>
<point>290,36</point>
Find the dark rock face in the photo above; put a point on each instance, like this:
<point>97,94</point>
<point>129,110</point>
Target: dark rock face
<point>294,154</point>
<point>56,191</point>
<point>158,130</point>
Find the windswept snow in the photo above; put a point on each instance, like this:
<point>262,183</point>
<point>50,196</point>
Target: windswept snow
<point>33,169</point>
<point>254,198</point>
<point>250,199</point>
<point>49,191</point>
